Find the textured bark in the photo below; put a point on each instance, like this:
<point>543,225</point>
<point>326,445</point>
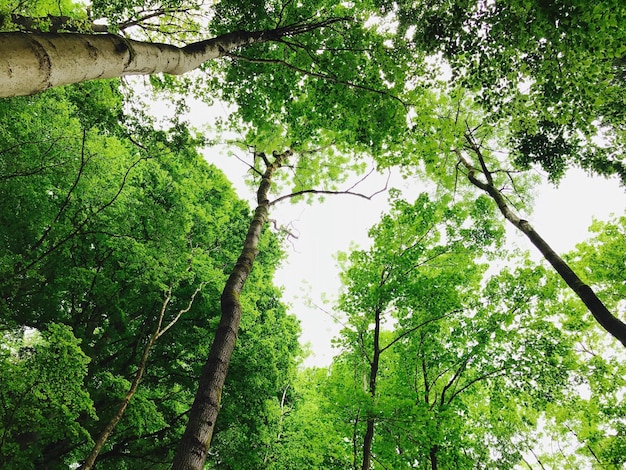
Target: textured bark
<point>600,312</point>
<point>33,62</point>
<point>194,445</point>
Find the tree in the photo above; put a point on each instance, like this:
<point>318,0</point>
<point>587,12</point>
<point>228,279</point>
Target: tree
<point>460,139</point>
<point>335,62</point>
<point>52,59</point>
<point>304,75</point>
<point>317,133</point>
<point>33,62</point>
<point>586,425</point>
<point>601,313</point>
<point>553,71</point>
<point>195,442</point>
<point>108,218</point>
<point>440,366</point>
<point>159,331</point>
<point>308,435</point>
<point>411,255</point>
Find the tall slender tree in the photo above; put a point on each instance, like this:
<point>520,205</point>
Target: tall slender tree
<point>598,309</point>
<point>194,445</point>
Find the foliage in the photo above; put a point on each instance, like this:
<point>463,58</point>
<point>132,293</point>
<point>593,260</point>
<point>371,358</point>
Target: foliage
<point>470,369</point>
<point>101,218</point>
<point>308,433</point>
<point>601,260</point>
<point>101,215</point>
<point>553,71</point>
<point>43,395</point>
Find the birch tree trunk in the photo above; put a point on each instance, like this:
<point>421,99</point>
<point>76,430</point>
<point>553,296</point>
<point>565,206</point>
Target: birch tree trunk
<point>194,445</point>
<point>33,62</point>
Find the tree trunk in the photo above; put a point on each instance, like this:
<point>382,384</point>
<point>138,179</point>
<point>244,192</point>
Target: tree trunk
<point>33,62</point>
<point>603,316</point>
<point>113,422</point>
<point>369,433</point>
<point>194,445</point>
<point>433,457</point>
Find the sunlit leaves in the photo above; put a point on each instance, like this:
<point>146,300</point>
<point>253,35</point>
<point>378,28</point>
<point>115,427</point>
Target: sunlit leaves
<point>536,67</point>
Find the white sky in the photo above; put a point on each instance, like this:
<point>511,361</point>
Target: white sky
<point>310,274</point>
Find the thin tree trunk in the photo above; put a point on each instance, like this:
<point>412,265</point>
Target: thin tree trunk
<point>113,422</point>
<point>369,433</point>
<point>355,435</point>
<point>33,62</point>
<point>603,316</point>
<point>433,457</point>
<point>194,445</point>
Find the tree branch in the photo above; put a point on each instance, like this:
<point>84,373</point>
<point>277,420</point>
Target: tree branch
<point>473,381</point>
<point>412,330</point>
<point>612,324</point>
<point>322,191</point>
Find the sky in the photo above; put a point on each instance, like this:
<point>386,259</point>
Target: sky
<point>310,275</point>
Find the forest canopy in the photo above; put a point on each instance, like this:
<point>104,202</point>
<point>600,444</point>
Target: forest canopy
<point>140,323</point>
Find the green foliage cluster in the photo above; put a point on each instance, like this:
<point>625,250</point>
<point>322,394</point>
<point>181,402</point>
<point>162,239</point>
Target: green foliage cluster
<point>474,372</point>
<point>42,394</point>
<point>553,71</point>
<point>103,218</point>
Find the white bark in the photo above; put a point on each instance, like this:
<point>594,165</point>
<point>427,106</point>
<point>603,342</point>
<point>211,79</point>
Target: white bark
<point>33,62</point>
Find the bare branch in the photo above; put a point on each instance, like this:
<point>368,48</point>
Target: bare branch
<point>64,204</point>
<point>150,15</point>
<point>537,458</point>
<point>474,380</point>
<point>361,180</point>
<point>412,330</point>
<point>322,191</point>
<point>247,164</point>
<point>180,312</point>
